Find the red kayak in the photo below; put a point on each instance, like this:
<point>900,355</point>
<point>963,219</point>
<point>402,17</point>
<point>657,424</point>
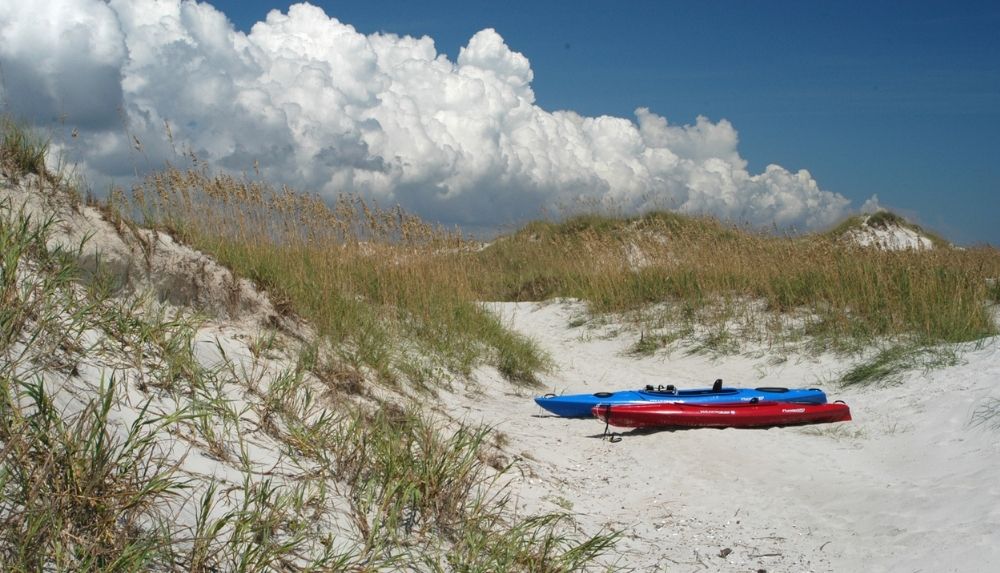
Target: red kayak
<point>740,415</point>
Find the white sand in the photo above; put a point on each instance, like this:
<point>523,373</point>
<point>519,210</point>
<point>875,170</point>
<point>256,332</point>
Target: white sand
<point>908,485</point>
<point>891,237</point>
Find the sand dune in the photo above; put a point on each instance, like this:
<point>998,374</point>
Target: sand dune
<point>909,485</point>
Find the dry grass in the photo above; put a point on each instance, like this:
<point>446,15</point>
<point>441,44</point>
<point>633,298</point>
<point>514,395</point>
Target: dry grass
<point>377,281</point>
<point>713,275</point>
<point>403,294</point>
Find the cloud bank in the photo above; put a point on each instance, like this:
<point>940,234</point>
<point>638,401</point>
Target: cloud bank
<point>319,106</point>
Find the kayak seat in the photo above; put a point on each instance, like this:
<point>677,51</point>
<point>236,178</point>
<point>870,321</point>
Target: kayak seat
<point>717,387</point>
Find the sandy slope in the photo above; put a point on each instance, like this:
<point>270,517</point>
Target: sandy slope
<point>909,485</point>
<point>890,238</point>
<point>154,274</point>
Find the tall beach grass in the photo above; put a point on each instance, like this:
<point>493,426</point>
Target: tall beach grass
<point>372,279</point>
<point>404,294</point>
<point>840,294</point>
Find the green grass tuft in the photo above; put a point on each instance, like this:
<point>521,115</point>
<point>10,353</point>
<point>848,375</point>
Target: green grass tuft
<point>888,364</point>
<point>22,152</point>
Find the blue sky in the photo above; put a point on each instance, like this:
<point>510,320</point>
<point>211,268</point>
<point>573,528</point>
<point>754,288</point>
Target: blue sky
<point>898,99</point>
<point>791,114</point>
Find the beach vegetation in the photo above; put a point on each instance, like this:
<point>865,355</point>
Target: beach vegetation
<point>698,273</point>
<point>405,295</point>
<point>22,150</point>
<point>95,471</point>
<point>888,364</point>
<point>388,286</point>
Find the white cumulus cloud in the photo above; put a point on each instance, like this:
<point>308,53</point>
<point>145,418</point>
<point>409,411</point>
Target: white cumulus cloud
<point>324,108</point>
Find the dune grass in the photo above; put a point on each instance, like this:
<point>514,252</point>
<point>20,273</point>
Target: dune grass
<point>372,279</point>
<point>710,274</point>
<point>74,498</point>
<point>412,483</point>
<point>403,294</point>
<point>74,494</point>
<point>889,362</point>
<point>22,151</point>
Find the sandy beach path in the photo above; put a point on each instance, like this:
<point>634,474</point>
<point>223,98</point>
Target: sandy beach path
<point>909,485</point>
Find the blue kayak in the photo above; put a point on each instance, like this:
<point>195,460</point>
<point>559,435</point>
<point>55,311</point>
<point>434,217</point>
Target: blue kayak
<point>580,405</point>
